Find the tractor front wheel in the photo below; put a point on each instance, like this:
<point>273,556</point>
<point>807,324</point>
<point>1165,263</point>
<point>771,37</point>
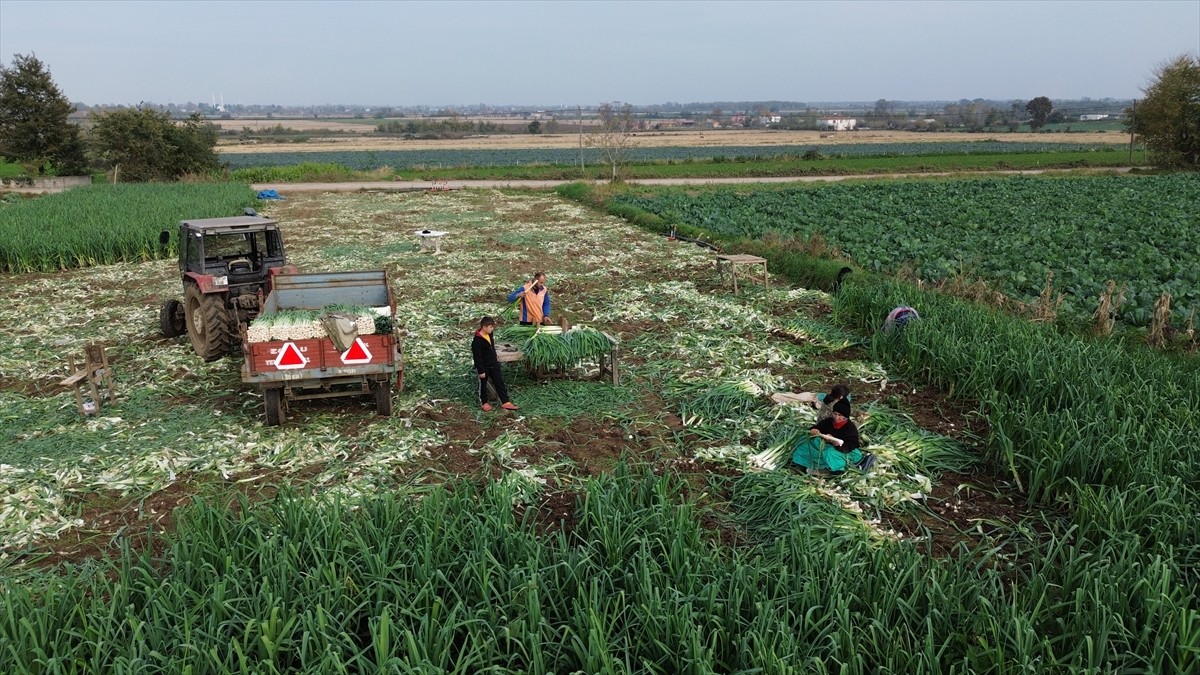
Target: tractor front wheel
<point>171,319</point>
<point>273,402</point>
<point>208,323</point>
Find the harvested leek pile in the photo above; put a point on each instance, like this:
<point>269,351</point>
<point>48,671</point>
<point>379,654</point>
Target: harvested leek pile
<point>550,346</point>
<point>818,332</point>
<point>301,324</point>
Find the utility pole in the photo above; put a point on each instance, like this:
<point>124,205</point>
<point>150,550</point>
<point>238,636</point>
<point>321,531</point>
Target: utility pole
<point>581,139</point>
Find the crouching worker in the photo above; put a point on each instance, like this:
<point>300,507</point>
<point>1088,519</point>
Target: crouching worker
<point>833,445</point>
<point>483,352</point>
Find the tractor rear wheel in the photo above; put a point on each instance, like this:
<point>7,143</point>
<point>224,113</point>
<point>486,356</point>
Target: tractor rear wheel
<point>383,398</point>
<point>207,323</point>
<point>171,319</point>
<point>273,402</point>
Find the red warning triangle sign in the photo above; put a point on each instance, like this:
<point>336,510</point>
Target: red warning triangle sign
<point>290,357</point>
<point>357,354</point>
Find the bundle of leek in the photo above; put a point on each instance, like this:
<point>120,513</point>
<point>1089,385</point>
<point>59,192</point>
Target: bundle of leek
<point>550,347</point>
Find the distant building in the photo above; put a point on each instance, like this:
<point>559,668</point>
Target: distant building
<point>767,120</point>
<point>1092,118</point>
<point>673,123</point>
<point>836,123</point>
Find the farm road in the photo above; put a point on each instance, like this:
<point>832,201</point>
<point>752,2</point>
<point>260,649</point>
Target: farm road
<point>417,185</point>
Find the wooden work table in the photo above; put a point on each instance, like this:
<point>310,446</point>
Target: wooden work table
<point>732,262</point>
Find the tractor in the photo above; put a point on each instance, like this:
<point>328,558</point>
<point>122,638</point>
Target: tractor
<point>227,266</point>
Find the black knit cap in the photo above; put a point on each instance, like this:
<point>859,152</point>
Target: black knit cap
<point>842,407</point>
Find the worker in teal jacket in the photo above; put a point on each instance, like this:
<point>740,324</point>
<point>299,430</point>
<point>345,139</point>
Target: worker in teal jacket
<point>534,300</point>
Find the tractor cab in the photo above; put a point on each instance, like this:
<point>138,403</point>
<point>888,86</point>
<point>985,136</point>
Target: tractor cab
<point>230,254</point>
<point>226,265</point>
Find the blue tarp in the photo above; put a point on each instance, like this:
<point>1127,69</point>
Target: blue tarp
<point>269,194</point>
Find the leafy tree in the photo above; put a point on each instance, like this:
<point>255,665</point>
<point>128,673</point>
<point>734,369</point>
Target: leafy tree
<point>952,114</point>
<point>1168,119</point>
<point>535,127</point>
<point>614,134</point>
<point>1039,110</point>
<point>34,129</point>
<point>144,144</point>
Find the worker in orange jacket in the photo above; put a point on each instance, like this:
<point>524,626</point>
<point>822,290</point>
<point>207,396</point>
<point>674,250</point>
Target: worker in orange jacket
<point>534,299</point>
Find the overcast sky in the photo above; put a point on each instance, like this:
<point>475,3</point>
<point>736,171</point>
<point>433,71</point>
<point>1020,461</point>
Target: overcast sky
<point>550,53</point>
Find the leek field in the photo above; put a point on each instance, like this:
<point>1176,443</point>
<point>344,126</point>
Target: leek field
<point>104,224</point>
<point>1142,232</point>
<point>1033,509</point>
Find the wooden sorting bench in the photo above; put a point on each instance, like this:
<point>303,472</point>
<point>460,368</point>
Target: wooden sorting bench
<point>609,369</point>
<point>731,262</point>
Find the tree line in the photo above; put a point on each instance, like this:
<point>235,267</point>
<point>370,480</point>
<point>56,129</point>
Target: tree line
<point>447,128</point>
<point>135,144</point>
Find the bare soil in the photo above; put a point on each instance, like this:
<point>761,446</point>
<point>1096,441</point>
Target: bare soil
<point>110,519</point>
<point>594,447</point>
<point>554,511</point>
<point>44,386</point>
<point>961,510</point>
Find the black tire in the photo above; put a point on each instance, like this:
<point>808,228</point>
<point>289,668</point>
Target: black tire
<point>383,398</point>
<point>171,320</point>
<point>208,323</point>
<point>273,402</point>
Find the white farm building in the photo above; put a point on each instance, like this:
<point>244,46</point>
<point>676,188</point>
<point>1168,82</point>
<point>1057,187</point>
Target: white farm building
<point>836,123</point>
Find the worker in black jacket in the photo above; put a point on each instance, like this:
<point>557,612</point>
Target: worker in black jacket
<point>483,351</point>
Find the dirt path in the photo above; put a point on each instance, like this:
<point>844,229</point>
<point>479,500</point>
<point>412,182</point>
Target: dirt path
<point>417,185</point>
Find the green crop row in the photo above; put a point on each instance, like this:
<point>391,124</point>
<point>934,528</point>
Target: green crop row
<point>295,173</point>
<point>1140,231</point>
<point>103,224</point>
<point>629,580</point>
<point>1099,430</point>
<point>1069,415</point>
<point>367,160</point>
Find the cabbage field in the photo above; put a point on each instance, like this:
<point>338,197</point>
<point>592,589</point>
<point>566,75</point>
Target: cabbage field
<point>1140,231</point>
<point>366,160</point>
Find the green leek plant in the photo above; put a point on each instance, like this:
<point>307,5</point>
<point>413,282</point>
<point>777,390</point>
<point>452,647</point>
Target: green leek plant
<point>460,581</point>
<point>104,224</point>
